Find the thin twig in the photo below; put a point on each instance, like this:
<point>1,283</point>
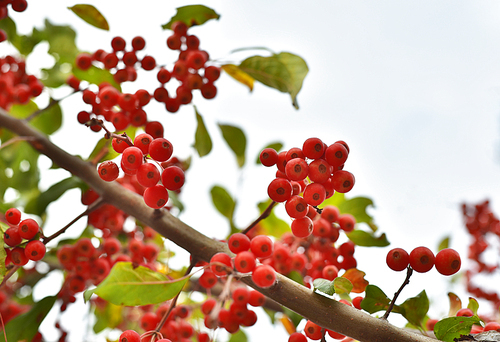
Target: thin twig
<point>87,211</point>
<point>8,275</point>
<point>51,104</point>
<point>409,272</point>
<point>16,139</point>
<point>262,216</point>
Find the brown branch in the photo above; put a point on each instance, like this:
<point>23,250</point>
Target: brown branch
<point>409,272</point>
<point>327,313</point>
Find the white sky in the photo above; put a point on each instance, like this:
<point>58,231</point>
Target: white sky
<point>412,86</point>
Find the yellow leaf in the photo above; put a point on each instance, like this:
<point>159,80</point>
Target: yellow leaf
<point>288,324</point>
<point>357,279</point>
<point>239,75</point>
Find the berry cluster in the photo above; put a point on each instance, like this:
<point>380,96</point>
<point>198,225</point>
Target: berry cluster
<point>124,109</point>
<point>483,226</point>
<point>134,162</point>
<point>422,259</point>
<point>16,86</point>
<point>304,185</point>
<point>16,5</point>
<point>26,230</point>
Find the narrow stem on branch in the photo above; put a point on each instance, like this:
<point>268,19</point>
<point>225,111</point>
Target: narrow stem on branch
<point>262,216</point>
<point>409,272</point>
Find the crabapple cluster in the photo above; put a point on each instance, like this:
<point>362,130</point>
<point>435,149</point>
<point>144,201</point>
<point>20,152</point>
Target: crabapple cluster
<point>422,259</point>
<point>15,5</point>
<point>134,163</point>
<point>190,72</point>
<point>483,226</point>
<point>304,185</point>
<point>16,86</point>
<point>22,237</point>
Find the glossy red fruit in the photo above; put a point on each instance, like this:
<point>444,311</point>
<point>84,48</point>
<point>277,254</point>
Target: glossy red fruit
<point>261,246</point>
<point>238,242</point>
<point>263,276</point>
<point>13,216</point>
<point>108,171</point>
<point>28,228</point>
<point>302,227</point>
<point>279,190</point>
<point>336,154</point>
<point>132,157</point>
<point>268,157</point>
<point>130,336</point>
<point>312,330</point>
<point>397,259</point>
<point>173,178</point>
<point>313,148</point>
<point>148,175</point>
<point>156,197</point>
<point>220,263</point>
<point>447,261</point>
<point>422,259</point>
<point>342,181</point>
<point>296,207</point>
<point>35,250</point>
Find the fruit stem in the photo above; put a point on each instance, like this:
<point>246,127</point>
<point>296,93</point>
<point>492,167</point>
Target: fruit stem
<point>409,272</point>
<point>262,216</point>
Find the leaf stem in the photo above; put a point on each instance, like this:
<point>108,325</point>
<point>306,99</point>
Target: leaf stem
<point>409,272</point>
<point>262,216</point>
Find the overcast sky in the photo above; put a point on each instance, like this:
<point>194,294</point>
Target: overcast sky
<point>412,86</point>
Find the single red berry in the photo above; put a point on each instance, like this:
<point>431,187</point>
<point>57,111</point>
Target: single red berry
<point>319,171</point>
<point>279,190</point>
<point>296,169</point>
<point>212,73</point>
<point>256,298</point>
<point>465,312</point>
<point>142,141</point>
<point>356,302</point>
<point>268,157</point>
<point>18,256</point>
<point>238,242</point>
<point>143,96</point>
<point>208,279</point>
<point>73,82</point>
<point>148,175</point>
<point>263,276</point>
<point>130,336</point>
<point>148,63</point>
<point>138,43</point>
<point>296,207</point>
<point>192,42</point>
<point>245,262</point>
<point>196,60</point>
<point>261,246</point>
<point>138,117</point>
<point>322,228</point>
<point>335,335</point>
<point>312,330</point>
<point>132,157</point>
<point>108,171</point>
<point>12,237</point>
<point>111,245</point>
<point>83,61</point>
<point>35,250</point>
<point>13,216</point>
<point>154,129</point>
<point>220,262</point>
<point>397,259</point>
<point>422,259</point>
<point>173,178</point>
<point>297,337</point>
<point>208,90</point>
<point>119,145</point>
<point>313,148</point>
<point>302,227</point>
<point>347,222</point>
<point>163,75</point>
<point>28,228</point>
<point>108,96</point>
<point>156,196</point>
<point>174,42</point>
<point>330,272</point>
<point>342,181</point>
<point>208,306</point>
<point>447,261</point>
<point>118,44</point>
<point>314,194</point>
<point>336,154</point>
<point>492,326</point>
<point>330,213</point>
<point>129,58</point>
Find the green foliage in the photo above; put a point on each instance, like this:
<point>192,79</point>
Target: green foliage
<point>38,205</point>
<point>473,305</point>
<point>239,75</point>
<point>362,238</point>
<point>414,309</point>
<point>192,15</point>
<point>105,150</point>
<point>450,328</point>
<point>25,326</point>
<point>96,75</point>
<point>202,140</point>
<point>91,15</point>
<point>239,336</point>
<point>223,202</point>
<point>236,140</point>
<point>272,225</point>
<point>129,286</point>
<point>338,285</point>
<point>47,120</point>
<point>283,71</point>
<point>444,243</point>
<point>356,206</point>
<point>376,300</point>
<point>342,285</point>
<point>109,316</point>
<point>276,145</point>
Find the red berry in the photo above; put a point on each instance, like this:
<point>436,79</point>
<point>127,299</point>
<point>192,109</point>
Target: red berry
<point>447,261</point>
<point>296,169</point>
<point>244,262</point>
<point>302,227</point>
<point>279,190</point>
<point>142,141</point>
<point>336,154</point>
<point>263,276</point>
<point>179,27</point>
<point>314,194</point>
<point>217,263</point>
<point>119,145</point>
<point>422,259</point>
<point>118,44</point>
<point>148,63</point>
<point>156,196</point>
<point>261,246</point>
<point>296,207</point>
<point>138,43</point>
<point>212,73</point>
<point>356,302</point>
<point>208,90</point>
<point>13,216</point>
<point>330,272</point>
<point>238,242</point>
<point>347,222</point>
<point>330,213</point>
<point>268,157</point>
<point>163,75</point>
<point>108,171</point>
<point>148,175</point>
<point>174,42</point>
<point>319,171</point>
<point>342,181</point>
<point>313,148</point>
<point>12,237</point>
<point>83,61</point>
<point>397,259</point>
<point>173,178</point>
<point>297,337</point>
<point>312,330</point>
<point>155,129</point>
<point>110,60</point>
<point>208,279</point>
<point>256,298</point>
<point>132,157</point>
<point>35,250</point>
<point>492,326</point>
<point>18,256</point>
<point>28,228</point>
<point>130,336</point>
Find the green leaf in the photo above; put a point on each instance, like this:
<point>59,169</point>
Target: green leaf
<point>104,143</point>
<point>444,243</point>
<point>455,304</point>
<point>202,140</point>
<point>129,286</point>
<point>365,239</point>
<point>49,120</point>
<point>271,225</point>
<point>296,276</point>
<point>324,285</point>
<point>223,202</point>
<point>96,75</point>
<point>236,140</point>
<point>276,145</point>
<point>239,336</point>
<point>416,308</point>
<point>61,41</point>
<point>283,71</point>
<point>22,159</point>
<point>342,285</point>
<point>239,75</point>
<point>376,300</point>
<point>25,326</point>
<point>91,15</point>
<point>109,316</point>
<point>174,197</point>
<point>192,15</point>
<point>23,43</point>
<point>473,305</point>
<point>294,317</point>
<point>450,328</point>
<point>39,204</point>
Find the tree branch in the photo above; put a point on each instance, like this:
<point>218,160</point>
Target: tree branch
<point>323,311</point>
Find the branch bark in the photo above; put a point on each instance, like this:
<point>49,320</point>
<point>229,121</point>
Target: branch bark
<point>323,311</point>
